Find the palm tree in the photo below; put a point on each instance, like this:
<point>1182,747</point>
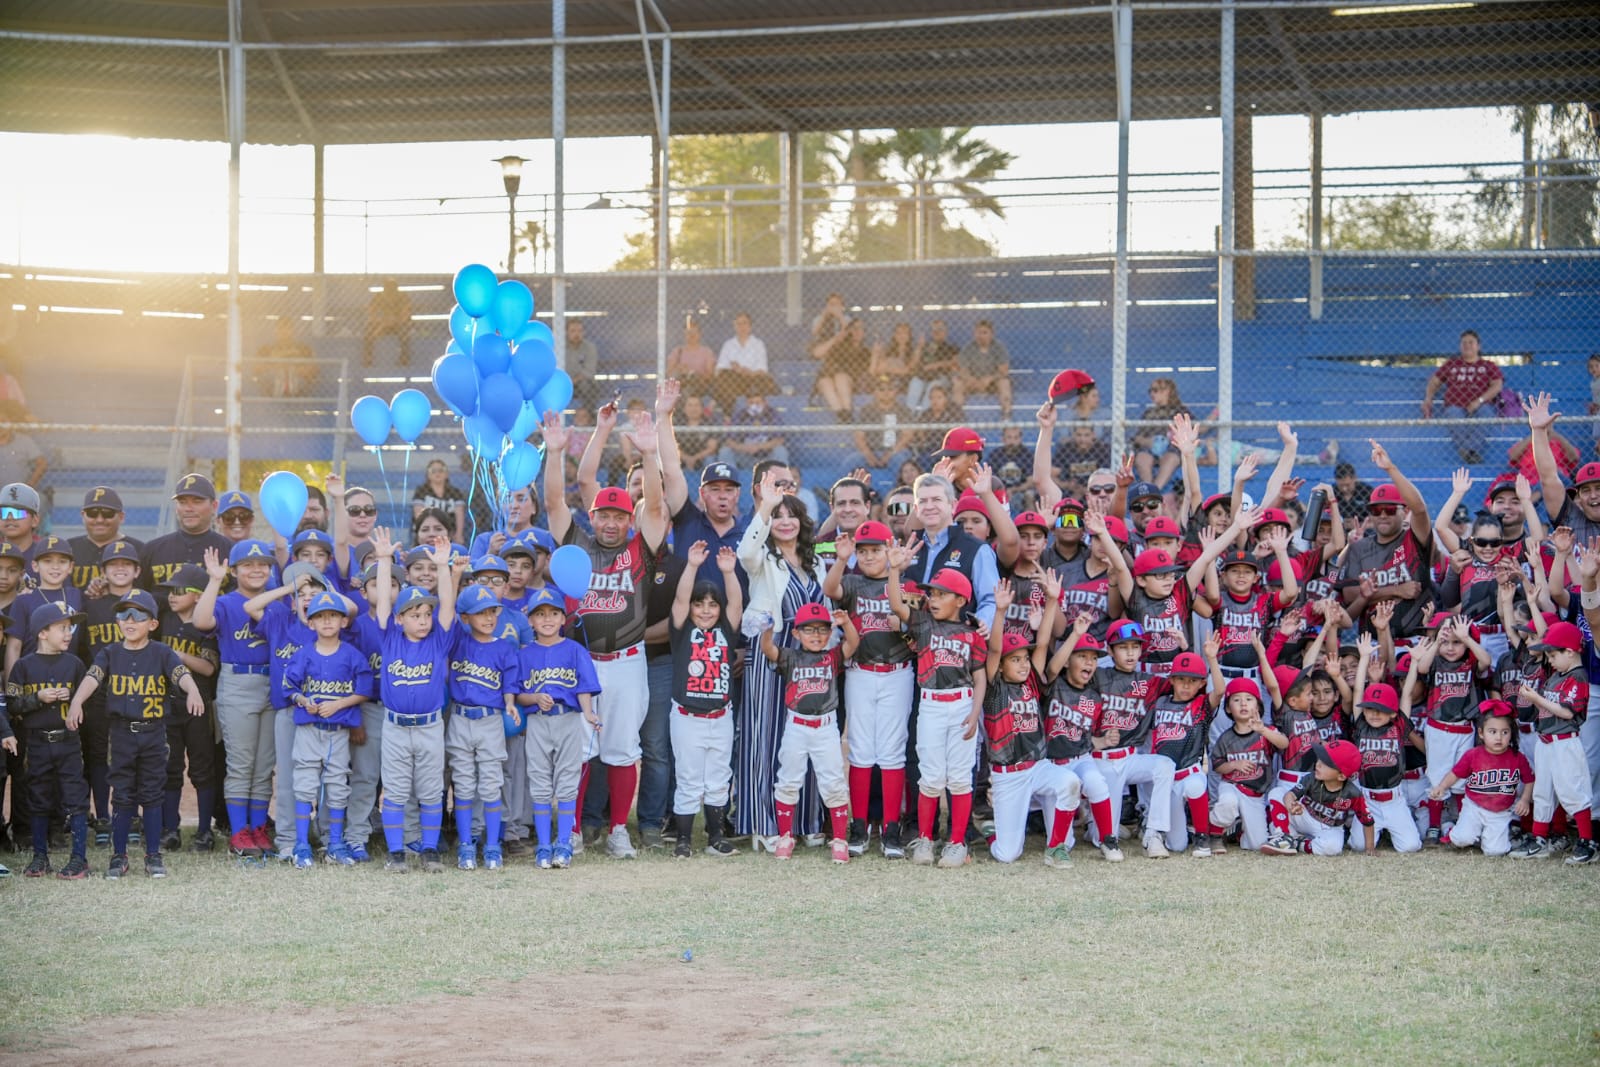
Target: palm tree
<point>940,163</point>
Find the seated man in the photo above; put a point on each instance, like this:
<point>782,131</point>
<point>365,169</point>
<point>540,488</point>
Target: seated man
<point>985,367</point>
<point>765,439</point>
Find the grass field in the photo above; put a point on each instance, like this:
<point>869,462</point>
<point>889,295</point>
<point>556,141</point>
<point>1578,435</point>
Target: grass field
<point>1437,958</point>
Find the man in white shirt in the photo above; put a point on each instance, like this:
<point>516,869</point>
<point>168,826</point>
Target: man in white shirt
<point>741,366</point>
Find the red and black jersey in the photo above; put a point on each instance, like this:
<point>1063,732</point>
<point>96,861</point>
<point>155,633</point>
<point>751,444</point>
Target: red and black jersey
<point>810,680</point>
<point>1070,717</point>
<point>1508,674</point>
<point>1383,751</point>
<point>1239,622</point>
<point>1535,672</point>
<point>947,652</point>
<point>1178,731</point>
<point>1251,749</point>
<point>1125,703</point>
<point>1570,689</point>
<point>1027,594</point>
<point>1091,596</point>
<point>1164,621</point>
<point>883,640</point>
<point>1402,560</point>
<point>611,615</point>
<point>1332,807</point>
<point>1477,590</point>
<point>1493,781</point>
<point>1013,727</point>
<point>1454,690</point>
<point>1305,731</point>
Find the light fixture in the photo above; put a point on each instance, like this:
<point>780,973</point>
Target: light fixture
<point>511,175</point>
<point>1397,9</point>
<point>601,203</point>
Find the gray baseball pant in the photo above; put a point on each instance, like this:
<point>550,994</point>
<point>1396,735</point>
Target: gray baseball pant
<point>321,764</point>
<point>244,712</point>
<point>555,747</point>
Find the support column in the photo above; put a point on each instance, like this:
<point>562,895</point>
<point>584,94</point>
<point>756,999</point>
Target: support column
<point>558,180</point>
<point>233,405</point>
<point>1225,261</point>
<point>1244,215</point>
<point>793,227</point>
<point>319,220</point>
<point>663,208</point>
<point>1314,216</point>
<point>1122,35</point>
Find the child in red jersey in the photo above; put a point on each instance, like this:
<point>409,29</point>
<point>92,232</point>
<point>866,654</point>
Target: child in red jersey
<point>1563,704</point>
<point>1455,667</point>
<point>1241,763</point>
<point>1180,726</point>
<point>1322,805</point>
<point>1497,782</point>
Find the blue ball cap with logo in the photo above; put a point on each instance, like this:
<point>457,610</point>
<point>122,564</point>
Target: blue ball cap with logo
<point>250,549</point>
<point>233,500</point>
<point>547,597</point>
<point>312,536</point>
<point>52,546</point>
<point>11,551</point>
<point>195,485</point>
<point>59,611</point>
<point>119,550</point>
<point>324,602</point>
<point>141,600</point>
<point>411,596</point>
<point>489,565</point>
<point>718,472</point>
<point>476,598</point>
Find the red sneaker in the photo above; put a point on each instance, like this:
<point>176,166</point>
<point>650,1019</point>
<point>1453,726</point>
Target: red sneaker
<point>243,843</point>
<point>841,850</point>
<point>263,840</point>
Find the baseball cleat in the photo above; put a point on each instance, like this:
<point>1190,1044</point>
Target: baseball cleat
<point>544,858</point>
<point>784,848</point>
<point>1218,844</point>
<point>339,855</point>
<point>650,837</point>
<point>954,854</point>
<point>466,857</point>
<point>841,850</point>
<point>77,867</point>
<point>591,837</point>
<point>430,861</point>
<point>576,846</point>
<point>514,846</point>
<point>561,858</point>
<point>720,847</point>
<point>1582,852</point>
<point>1433,838</point>
<point>118,867</point>
<point>1534,848</point>
<point>262,839</point>
<point>492,859</point>
<point>396,863</point>
<point>1560,842</point>
<point>39,866</point>
<point>153,866</point>
<point>171,840</point>
<point>1155,848</point>
<point>815,840</point>
<point>358,852</point>
<point>1057,856</point>
<point>102,831</point>
<point>619,846</point>
<point>858,837</point>
<point>889,842</point>
<point>922,852</point>
<point>1202,845</point>
<point>302,857</point>
<point>1109,850</point>
<point>1280,845</point>
<point>682,849</point>
<point>202,842</point>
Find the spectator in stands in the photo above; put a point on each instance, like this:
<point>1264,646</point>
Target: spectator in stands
<point>1566,454</point>
<point>1153,461</point>
<point>695,446</point>
<point>692,363</point>
<point>1012,463</point>
<point>764,439</point>
<point>741,366</point>
<point>830,320</point>
<point>940,360</point>
<point>883,446</point>
<point>907,473</point>
<point>388,314</point>
<point>937,417</point>
<point>1077,457</point>
<point>583,364</point>
<point>900,358</point>
<point>10,388</point>
<point>985,367</point>
<point>1471,386</point>
<point>845,361</point>
<point>1594,396</point>
<point>21,458</point>
<point>436,491</point>
<point>1352,494</point>
<point>287,367</point>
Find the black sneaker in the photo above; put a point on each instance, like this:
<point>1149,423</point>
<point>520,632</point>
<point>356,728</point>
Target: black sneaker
<point>153,865</point>
<point>682,850</point>
<point>396,863</point>
<point>1582,852</point>
<point>118,868</point>
<point>202,842</point>
<point>514,846</point>
<point>592,836</point>
<point>171,840</point>
<point>430,861</point>
<point>1533,848</point>
<point>857,842</point>
<point>39,867</point>
<point>77,867</point>
<point>102,831</point>
<point>889,841</point>
<point>1432,837</point>
<point>720,847</point>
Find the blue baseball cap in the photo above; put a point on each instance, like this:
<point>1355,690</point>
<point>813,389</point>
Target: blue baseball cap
<point>546,597</point>
<point>516,546</point>
<point>195,485</point>
<point>20,495</point>
<point>369,573</point>
<point>102,496</point>
<point>52,546</point>
<point>326,601</point>
<point>60,611</point>
<point>141,600</point>
<point>295,571</point>
<point>187,577</point>
<point>411,596</point>
<point>311,536</point>
<point>476,598</point>
<point>250,549</point>
<point>119,550</point>
<point>233,500</point>
<point>539,538</point>
<point>489,565</point>
<point>1140,490</point>
<point>718,472</point>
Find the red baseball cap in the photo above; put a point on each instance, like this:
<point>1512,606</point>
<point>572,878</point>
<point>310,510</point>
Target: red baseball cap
<point>1381,696</point>
<point>1286,677</point>
<point>1275,572</point>
<point>1189,665</point>
<point>1069,382</point>
<point>1124,630</point>
<point>812,613</point>
<point>613,498</point>
<point>1342,756</point>
<point>1246,686</point>
<point>873,533</point>
<point>1561,635</point>
<point>1068,503</point>
<point>1550,618</point>
<point>952,581</point>
<point>910,588</point>
<point>960,441</point>
<point>1089,643</point>
<point>1117,529</point>
<point>1032,518</point>
<point>1213,500</point>
<point>972,502</point>
<point>1012,642</point>
<point>1386,494</point>
<point>1268,516</point>
<point>1161,526</point>
<point>1155,561</point>
<point>1589,472</point>
<point>1501,484</point>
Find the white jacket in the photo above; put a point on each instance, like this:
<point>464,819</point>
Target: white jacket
<point>769,576</point>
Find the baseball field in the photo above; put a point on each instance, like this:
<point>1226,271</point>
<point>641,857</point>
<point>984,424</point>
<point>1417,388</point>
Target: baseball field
<point>1437,958</point>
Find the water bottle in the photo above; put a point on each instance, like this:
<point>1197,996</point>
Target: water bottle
<point>1314,513</point>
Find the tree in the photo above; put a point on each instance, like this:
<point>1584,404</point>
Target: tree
<point>935,162</point>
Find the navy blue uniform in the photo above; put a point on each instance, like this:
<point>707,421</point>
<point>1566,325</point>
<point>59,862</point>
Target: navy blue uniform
<point>54,763</point>
<point>137,682</point>
<point>191,736</point>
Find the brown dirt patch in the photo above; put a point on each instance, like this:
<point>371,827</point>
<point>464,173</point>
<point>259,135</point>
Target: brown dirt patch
<point>662,1013</point>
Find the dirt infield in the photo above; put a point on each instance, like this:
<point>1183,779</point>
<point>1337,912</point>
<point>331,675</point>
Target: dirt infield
<point>663,1013</point>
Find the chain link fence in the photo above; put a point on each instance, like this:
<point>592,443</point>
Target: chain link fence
<point>875,198</point>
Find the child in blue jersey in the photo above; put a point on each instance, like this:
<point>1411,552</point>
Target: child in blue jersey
<point>366,751</point>
<point>416,662</point>
<point>52,571</point>
<point>558,685</point>
<point>244,704</point>
<point>482,686</point>
<point>327,681</point>
<point>493,574</point>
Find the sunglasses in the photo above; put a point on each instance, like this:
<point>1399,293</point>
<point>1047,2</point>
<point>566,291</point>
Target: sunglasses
<point>14,514</point>
<point>357,510</point>
<point>1487,542</point>
<point>1069,520</point>
<point>99,513</point>
<point>236,518</point>
<point>1102,490</point>
<point>786,486</point>
<point>490,579</point>
<point>1383,509</point>
<point>133,615</point>
<point>899,507</point>
<point>1146,505</point>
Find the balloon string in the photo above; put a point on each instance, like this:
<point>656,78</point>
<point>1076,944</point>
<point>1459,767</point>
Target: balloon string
<point>405,481</point>
<point>388,492</point>
<point>472,485</point>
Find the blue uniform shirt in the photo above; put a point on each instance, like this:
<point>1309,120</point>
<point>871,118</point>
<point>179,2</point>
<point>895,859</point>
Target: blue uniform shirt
<point>341,673</point>
<point>26,603</point>
<point>239,637</point>
<point>366,635</point>
<point>562,670</point>
<point>285,635</point>
<point>413,679</point>
<point>482,672</point>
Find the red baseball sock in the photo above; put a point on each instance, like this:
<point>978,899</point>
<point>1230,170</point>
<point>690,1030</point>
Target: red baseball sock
<point>1435,810</point>
<point>1541,829</point>
<point>861,790</point>
<point>960,815</point>
<point>1101,810</point>
<point>1278,816</point>
<point>1585,823</point>
<point>785,820</point>
<point>927,811</point>
<point>1060,827</point>
<point>1558,825</point>
<point>1527,823</point>
<point>894,791</point>
<point>620,782</point>
<point>1200,814</point>
<point>839,820</point>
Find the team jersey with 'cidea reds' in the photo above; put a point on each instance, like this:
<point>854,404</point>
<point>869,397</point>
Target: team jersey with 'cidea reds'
<point>866,600</point>
<point>1178,731</point>
<point>1305,731</point>
<point>1125,697</point>
<point>810,680</point>
<point>1240,622</point>
<point>1253,751</point>
<point>612,612</point>
<point>1508,676</point>
<point>702,666</point>
<point>1478,590</point>
<point>1396,562</point>
<point>1070,717</point>
<point>1163,621</point>
<point>1453,694</point>
<point>1383,751</point>
<point>1493,782</point>
<point>949,651</point>
<point>1026,595</point>
<point>1332,807</point>
<point>1013,730</point>
<point>1089,596</point>
<point>1570,689</point>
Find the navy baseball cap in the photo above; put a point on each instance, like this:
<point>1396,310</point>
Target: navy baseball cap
<point>411,596</point>
<point>476,598</point>
<point>718,472</point>
<point>11,551</point>
<point>119,550</point>
<point>546,597</point>
<point>195,485</point>
<point>1140,490</point>
<point>490,564</point>
<point>250,549</point>
<point>52,546</point>
<point>233,500</point>
<point>188,577</point>
<point>20,495</point>
<point>326,601</point>
<point>141,600</point>
<point>60,611</point>
<point>102,496</point>
<point>311,536</point>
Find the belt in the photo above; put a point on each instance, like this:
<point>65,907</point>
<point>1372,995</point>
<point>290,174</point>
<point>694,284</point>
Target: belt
<point>557,708</point>
<point>1452,727</point>
<point>427,718</point>
<point>1552,738</point>
<point>1239,672</point>
<point>947,695</point>
<point>1114,753</point>
<point>326,725</point>
<point>882,668</point>
<point>1290,777</point>
<point>473,712</point>
<point>1495,629</point>
<point>813,723</point>
<point>681,710</point>
<point>1381,796</point>
<point>1525,727</point>
<point>1413,775</point>
<point>1246,790</point>
<point>607,657</point>
<point>249,668</point>
<point>141,726</point>
<point>995,768</point>
<point>48,737</point>
<point>1193,768</point>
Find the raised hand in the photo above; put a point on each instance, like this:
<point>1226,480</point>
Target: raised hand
<point>382,541</point>
<point>982,479</point>
<point>1540,417</point>
<point>1051,581</point>
<point>945,468</point>
<point>1213,646</point>
<point>1589,561</point>
<point>844,544</point>
<point>727,560</point>
<point>439,552</point>
<point>1366,645</point>
<point>667,394</point>
<point>555,434</point>
<point>1004,595</point>
<point>1292,623</point>
<point>645,436</point>
<point>1460,481</point>
<point>1287,435</point>
<point>1561,540</point>
<point>862,475</point>
<point>1247,468</point>
<point>1524,490</point>
<point>216,570</point>
<point>1046,415</point>
<point>1182,435</point>
<point>768,494</point>
<point>1289,491</point>
<point>698,553</point>
<point>1380,456</point>
<point>841,619</point>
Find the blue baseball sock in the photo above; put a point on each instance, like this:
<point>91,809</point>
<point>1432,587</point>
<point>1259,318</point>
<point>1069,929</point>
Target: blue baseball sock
<point>394,825</point>
<point>152,829</point>
<point>169,808</point>
<point>432,817</point>
<point>302,824</point>
<point>121,824</point>
<point>258,812</point>
<point>206,799</point>
<point>335,827</point>
<point>41,833</point>
<point>238,813</point>
<point>491,824</point>
<point>566,816</point>
<point>463,821</point>
<point>78,825</point>
<point>541,824</point>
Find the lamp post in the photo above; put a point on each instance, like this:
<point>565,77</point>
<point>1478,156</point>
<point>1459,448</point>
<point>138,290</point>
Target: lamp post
<point>511,174</point>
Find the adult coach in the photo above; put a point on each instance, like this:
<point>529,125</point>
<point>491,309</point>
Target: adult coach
<point>195,501</point>
<point>102,524</point>
<point>1392,563</point>
<point>610,619</point>
<point>1578,509</point>
<point>714,518</point>
<point>1471,385</point>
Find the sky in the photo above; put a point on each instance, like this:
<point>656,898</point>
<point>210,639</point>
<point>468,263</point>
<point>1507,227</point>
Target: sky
<point>119,204</point>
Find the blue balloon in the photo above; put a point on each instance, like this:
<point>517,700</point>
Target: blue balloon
<point>513,307</point>
<point>482,435</point>
<point>370,417</point>
<point>570,570</point>
<point>410,412</point>
<point>491,354</point>
<point>532,363</point>
<point>555,394</point>
<point>282,500</point>
<point>537,331</point>
<point>455,379</point>
<point>520,466</point>
<point>501,400</point>
<point>527,422</point>
<point>462,328</point>
<point>475,287</point>
<point>453,348</point>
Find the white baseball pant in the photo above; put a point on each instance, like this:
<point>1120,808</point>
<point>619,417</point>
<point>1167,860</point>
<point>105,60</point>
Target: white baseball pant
<point>1187,784</point>
<point>1222,722</point>
<point>1013,792</point>
<point>702,758</point>
<point>814,738</point>
<point>1390,812</point>
<point>1094,790</point>
<point>1325,840</point>
<point>1446,746</point>
<point>1589,734</point>
<point>1122,767</point>
<point>1415,791</point>
<point>1490,830</point>
<point>1283,781</point>
<point>1563,776</point>
<point>944,757</point>
<point>879,705</point>
<point>1231,804</point>
<point>622,702</point>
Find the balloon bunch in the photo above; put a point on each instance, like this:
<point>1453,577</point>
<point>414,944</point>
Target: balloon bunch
<point>407,414</point>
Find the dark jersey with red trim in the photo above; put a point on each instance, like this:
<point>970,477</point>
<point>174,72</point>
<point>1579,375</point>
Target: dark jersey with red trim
<point>1178,730</point>
<point>1125,703</point>
<point>1164,621</point>
<point>702,665</point>
<point>1492,781</point>
<point>1508,674</point>
<point>1332,807</point>
<point>948,652</point>
<point>1570,689</point>
<point>810,680</point>
<point>1383,750</point>
<point>1239,622</point>
<point>1535,671</point>
<point>1476,589</point>
<point>1070,717</point>
<point>1013,728</point>
<point>1251,749</point>
<point>1305,731</point>
<point>883,640</point>
<point>1088,595</point>
<point>1027,595</point>
<point>1399,561</point>
<point>1454,692</point>
<point>1318,581</point>
<point>612,613</point>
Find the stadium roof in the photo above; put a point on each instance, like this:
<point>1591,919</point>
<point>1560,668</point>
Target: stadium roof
<point>389,80</point>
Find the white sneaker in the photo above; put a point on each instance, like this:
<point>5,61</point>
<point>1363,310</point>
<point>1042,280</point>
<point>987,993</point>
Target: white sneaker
<point>1155,848</point>
<point>922,852</point>
<point>576,842</point>
<point>1108,849</point>
<point>619,846</point>
<point>816,840</point>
